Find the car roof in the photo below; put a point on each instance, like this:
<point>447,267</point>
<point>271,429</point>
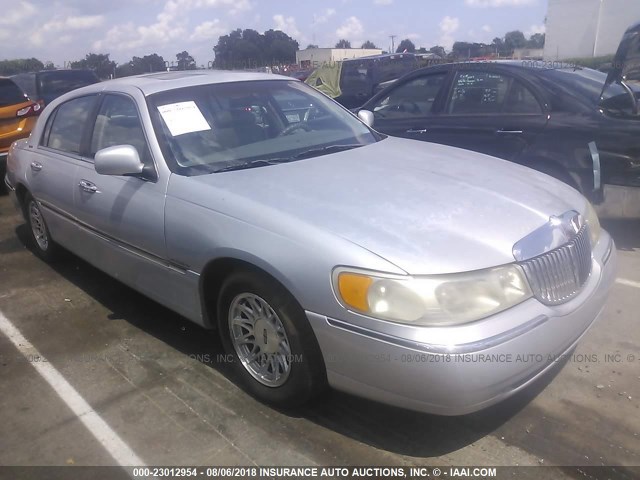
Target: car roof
<point>158,82</point>
<point>532,66</point>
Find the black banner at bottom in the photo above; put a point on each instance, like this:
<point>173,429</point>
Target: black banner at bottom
<point>319,472</point>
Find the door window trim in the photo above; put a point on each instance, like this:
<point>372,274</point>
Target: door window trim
<point>85,150</point>
<point>542,103</point>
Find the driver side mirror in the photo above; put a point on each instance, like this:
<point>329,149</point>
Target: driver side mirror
<point>367,117</point>
<point>118,160</point>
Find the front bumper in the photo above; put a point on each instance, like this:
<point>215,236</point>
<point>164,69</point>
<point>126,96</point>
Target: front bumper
<point>462,377</point>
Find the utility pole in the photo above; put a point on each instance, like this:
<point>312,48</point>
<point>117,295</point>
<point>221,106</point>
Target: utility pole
<point>393,46</point>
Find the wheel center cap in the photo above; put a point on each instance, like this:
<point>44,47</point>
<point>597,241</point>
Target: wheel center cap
<point>266,336</point>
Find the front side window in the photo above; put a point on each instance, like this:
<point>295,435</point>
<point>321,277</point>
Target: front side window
<point>414,98</point>
<point>208,128</point>
<point>478,92</point>
<point>118,123</point>
<point>67,124</point>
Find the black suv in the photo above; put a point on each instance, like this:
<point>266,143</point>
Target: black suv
<point>47,85</point>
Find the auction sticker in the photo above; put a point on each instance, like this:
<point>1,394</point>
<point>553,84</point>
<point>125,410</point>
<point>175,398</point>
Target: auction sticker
<point>183,117</point>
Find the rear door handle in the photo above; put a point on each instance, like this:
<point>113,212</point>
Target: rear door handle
<point>87,186</point>
<point>36,167</point>
<point>417,130</point>
<point>509,131</point>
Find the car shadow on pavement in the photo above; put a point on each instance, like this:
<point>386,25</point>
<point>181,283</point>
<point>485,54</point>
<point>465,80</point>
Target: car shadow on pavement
<point>383,427</point>
<point>626,233</point>
<point>416,434</point>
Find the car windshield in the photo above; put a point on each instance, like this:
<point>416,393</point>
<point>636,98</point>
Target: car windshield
<point>10,93</point>
<point>227,126</point>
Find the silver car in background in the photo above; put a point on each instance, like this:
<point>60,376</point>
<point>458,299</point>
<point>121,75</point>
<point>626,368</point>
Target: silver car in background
<point>324,253</point>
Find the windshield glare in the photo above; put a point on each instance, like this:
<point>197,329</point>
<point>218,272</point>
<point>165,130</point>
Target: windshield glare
<point>207,128</point>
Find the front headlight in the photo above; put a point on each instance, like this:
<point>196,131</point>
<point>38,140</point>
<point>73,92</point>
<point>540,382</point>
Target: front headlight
<point>431,300</point>
<point>594,224</point>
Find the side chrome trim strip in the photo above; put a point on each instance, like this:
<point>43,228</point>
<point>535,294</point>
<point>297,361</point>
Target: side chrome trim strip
<point>9,186</point>
<point>442,349</point>
<point>117,243</point>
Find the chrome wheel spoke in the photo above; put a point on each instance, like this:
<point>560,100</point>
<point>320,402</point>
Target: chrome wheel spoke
<point>259,339</point>
<point>38,227</point>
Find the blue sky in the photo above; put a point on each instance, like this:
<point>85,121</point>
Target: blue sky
<point>64,30</point>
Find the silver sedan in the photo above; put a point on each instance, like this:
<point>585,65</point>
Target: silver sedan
<point>324,253</point>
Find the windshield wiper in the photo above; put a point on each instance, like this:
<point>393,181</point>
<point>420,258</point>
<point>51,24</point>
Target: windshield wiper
<point>312,152</point>
<point>262,162</point>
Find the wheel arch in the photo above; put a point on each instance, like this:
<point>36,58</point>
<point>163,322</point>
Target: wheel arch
<point>218,269</point>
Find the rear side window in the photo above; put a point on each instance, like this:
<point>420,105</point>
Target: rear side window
<point>67,124</point>
<point>10,93</point>
<point>477,92</point>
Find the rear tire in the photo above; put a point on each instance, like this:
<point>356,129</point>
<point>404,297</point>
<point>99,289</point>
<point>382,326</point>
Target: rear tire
<point>276,355</point>
<point>39,236</point>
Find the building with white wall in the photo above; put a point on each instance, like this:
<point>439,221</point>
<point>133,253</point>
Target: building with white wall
<point>587,28</point>
<point>315,57</point>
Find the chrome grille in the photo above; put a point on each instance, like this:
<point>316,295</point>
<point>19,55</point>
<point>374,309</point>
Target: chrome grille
<point>558,275</point>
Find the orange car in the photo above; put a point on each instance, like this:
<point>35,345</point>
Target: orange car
<point>18,116</point>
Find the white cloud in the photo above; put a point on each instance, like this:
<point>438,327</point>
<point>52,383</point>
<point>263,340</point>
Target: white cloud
<point>383,2</point>
<point>171,25</point>
<point>533,29</point>
<point>351,29</point>
<point>287,25</point>
<point>324,16</point>
<point>209,30</point>
<point>448,26</point>
<point>73,23</point>
<point>486,28</point>
<point>499,3</point>
<point>18,12</point>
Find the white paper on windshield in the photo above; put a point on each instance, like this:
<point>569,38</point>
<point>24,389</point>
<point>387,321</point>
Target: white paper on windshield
<point>183,117</point>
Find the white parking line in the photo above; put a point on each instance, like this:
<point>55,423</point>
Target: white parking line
<point>109,439</point>
<point>628,283</point>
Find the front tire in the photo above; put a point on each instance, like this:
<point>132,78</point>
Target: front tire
<point>41,241</point>
<point>276,355</point>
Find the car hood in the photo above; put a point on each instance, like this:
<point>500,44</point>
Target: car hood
<point>424,207</point>
<point>626,63</point>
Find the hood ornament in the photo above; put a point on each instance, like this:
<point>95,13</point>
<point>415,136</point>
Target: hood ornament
<point>558,231</point>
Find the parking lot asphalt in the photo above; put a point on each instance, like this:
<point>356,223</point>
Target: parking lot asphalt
<point>159,386</point>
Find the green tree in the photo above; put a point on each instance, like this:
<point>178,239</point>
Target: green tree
<point>406,45</point>
<point>513,40</point>
<point>342,43</point>
<point>311,45</point>
<point>368,45</point>
<point>20,65</point>
<point>99,63</point>
<point>438,50</point>
<point>251,49</point>
<point>139,65</point>
<point>536,40</point>
<point>185,61</point>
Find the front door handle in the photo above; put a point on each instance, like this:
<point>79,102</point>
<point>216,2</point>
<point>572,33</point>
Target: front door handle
<point>36,167</point>
<point>417,130</point>
<point>509,131</point>
<point>87,186</point>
